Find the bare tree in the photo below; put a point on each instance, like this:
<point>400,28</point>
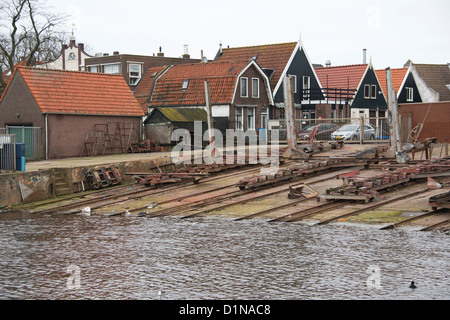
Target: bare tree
<point>28,32</point>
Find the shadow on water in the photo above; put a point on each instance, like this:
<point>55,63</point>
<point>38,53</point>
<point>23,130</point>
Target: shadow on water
<point>76,257</point>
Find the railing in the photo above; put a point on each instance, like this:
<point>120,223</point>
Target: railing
<point>31,137</point>
<point>7,152</point>
<point>375,129</point>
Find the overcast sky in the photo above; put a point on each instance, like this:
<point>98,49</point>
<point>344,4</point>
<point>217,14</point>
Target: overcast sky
<point>392,31</point>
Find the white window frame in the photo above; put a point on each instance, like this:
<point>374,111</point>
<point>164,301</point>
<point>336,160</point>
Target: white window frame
<point>131,77</point>
<point>255,88</point>
<point>409,94</point>
<point>238,117</point>
<point>251,123</point>
<point>264,117</point>
<point>295,82</point>
<point>306,95</point>
<point>244,86</point>
<point>367,91</point>
<point>185,84</point>
<point>111,65</point>
<point>92,68</point>
<point>373,92</point>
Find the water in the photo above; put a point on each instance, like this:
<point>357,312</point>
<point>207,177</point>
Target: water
<point>215,258</point>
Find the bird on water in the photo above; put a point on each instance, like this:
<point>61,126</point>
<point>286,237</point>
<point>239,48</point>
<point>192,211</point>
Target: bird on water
<point>412,285</point>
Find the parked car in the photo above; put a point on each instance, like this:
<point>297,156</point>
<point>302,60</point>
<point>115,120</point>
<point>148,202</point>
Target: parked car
<point>324,131</point>
<point>352,132</point>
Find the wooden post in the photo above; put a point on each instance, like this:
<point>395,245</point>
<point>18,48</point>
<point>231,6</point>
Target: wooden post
<point>394,127</point>
<point>210,118</point>
<point>361,129</point>
<point>291,135</point>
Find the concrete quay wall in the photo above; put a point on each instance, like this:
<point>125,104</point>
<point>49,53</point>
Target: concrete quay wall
<point>38,182</point>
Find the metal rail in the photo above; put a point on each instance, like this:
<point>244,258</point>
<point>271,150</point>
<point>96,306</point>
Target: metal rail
<point>371,207</point>
<point>395,225</point>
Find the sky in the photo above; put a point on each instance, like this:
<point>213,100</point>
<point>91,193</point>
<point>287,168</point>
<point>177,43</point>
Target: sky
<point>392,31</point>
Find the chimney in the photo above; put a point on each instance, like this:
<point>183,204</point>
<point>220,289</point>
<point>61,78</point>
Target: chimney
<point>186,52</point>
<point>364,56</point>
<point>160,53</point>
<point>328,63</point>
<point>116,53</point>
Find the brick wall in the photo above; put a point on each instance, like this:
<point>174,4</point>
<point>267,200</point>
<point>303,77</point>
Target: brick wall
<point>436,121</point>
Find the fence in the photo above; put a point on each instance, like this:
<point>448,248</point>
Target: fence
<point>360,130</point>
<point>31,137</point>
<point>7,152</point>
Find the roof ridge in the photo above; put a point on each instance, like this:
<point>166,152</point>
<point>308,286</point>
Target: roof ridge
<point>261,45</point>
<point>68,71</point>
<point>344,66</point>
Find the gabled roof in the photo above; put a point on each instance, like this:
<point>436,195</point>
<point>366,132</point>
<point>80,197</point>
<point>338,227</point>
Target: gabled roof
<point>398,78</point>
<point>144,89</point>
<point>270,56</point>
<point>221,76</point>
<point>342,77</point>
<point>74,92</point>
<point>436,76</point>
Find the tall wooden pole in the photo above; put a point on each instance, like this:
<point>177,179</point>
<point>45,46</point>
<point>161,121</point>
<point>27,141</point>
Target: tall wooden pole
<point>210,118</point>
<point>394,126</point>
<point>289,112</point>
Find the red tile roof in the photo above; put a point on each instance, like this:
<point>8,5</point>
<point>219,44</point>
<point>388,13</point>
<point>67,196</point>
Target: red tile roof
<point>221,77</point>
<point>271,56</point>
<point>341,77</point>
<point>144,88</point>
<point>73,92</point>
<point>398,77</point>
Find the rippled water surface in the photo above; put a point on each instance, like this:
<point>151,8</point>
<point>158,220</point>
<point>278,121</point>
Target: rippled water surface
<point>216,258</point>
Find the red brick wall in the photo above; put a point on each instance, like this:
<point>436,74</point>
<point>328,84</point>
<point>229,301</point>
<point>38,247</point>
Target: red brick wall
<point>436,123</point>
<point>67,133</point>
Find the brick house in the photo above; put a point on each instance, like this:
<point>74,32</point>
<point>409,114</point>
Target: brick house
<point>132,67</point>
<point>68,106</point>
<point>240,92</point>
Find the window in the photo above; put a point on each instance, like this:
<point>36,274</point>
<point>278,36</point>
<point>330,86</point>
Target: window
<point>366,91</point>
<point>239,125</point>
<point>250,118</point>
<point>93,69</point>
<point>306,87</point>
<point>255,88</point>
<point>72,56</point>
<point>295,82</point>
<point>244,87</point>
<point>409,94</point>
<point>373,94</point>
<point>135,73</point>
<point>370,91</point>
<point>185,84</point>
<point>111,68</point>
<point>264,117</point>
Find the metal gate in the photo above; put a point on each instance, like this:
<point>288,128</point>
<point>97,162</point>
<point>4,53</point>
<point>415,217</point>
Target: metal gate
<point>31,137</point>
<point>7,152</point>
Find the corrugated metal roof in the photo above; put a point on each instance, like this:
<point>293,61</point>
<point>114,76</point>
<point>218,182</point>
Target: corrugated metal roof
<point>184,114</point>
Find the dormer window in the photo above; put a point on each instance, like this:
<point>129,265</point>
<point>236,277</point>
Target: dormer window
<point>185,84</point>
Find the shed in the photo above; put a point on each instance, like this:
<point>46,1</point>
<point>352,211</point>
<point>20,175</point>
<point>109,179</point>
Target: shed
<point>161,122</point>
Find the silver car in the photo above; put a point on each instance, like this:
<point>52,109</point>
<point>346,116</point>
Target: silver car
<point>352,132</point>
